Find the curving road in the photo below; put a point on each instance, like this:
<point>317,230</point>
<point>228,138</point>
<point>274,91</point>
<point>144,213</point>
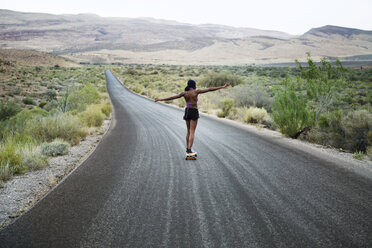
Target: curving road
<point>245,190</point>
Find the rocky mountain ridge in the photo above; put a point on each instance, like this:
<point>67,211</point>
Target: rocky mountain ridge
<point>91,38</point>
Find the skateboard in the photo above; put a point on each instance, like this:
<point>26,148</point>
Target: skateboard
<point>191,157</point>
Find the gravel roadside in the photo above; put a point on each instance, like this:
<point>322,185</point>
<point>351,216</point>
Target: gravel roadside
<point>22,192</point>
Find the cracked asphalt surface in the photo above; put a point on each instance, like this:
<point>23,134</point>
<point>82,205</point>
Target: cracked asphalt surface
<point>245,190</point>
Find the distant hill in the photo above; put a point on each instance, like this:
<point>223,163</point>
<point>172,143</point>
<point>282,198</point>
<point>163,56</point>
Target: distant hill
<point>13,57</point>
<point>95,39</point>
<point>335,30</point>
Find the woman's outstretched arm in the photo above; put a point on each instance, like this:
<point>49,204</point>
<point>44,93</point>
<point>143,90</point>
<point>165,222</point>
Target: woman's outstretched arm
<point>170,98</point>
<point>213,88</point>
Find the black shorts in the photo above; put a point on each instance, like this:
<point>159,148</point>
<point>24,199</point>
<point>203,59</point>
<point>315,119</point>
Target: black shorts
<point>191,114</point>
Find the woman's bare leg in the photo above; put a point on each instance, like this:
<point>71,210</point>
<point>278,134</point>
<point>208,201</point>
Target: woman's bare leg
<point>188,133</point>
<point>193,124</point>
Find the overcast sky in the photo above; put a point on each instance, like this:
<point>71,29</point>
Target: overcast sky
<point>291,16</point>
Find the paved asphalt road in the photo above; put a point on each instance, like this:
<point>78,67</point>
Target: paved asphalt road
<point>136,190</point>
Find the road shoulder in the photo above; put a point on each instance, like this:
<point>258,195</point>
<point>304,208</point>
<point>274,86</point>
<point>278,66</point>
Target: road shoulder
<point>22,192</point>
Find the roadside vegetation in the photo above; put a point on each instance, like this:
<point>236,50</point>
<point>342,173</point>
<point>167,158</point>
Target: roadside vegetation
<point>46,110</point>
<point>324,103</point>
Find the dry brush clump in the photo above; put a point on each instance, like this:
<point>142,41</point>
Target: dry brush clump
<point>227,106</point>
<point>256,115</point>
<point>64,126</point>
<point>55,148</point>
<point>92,116</point>
<point>19,154</point>
<point>350,131</point>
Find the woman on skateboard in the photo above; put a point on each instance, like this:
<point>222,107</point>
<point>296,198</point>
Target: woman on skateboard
<point>191,111</point>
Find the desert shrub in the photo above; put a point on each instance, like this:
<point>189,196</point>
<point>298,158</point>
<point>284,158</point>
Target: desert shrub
<point>256,115</point>
<point>32,158</point>
<point>227,106</point>
<point>42,104</point>
<point>214,79</point>
<point>356,126</point>
<point>50,94</point>
<point>10,159</point>
<point>10,154</point>
<point>359,155</point>
<point>106,108</point>
<point>28,101</point>
<point>8,109</point>
<point>17,91</point>
<point>290,111</point>
<point>18,122</point>
<point>241,113</point>
<point>322,82</point>
<point>252,95</point>
<point>350,131</point>
<point>136,88</point>
<point>102,88</point>
<point>205,104</point>
<point>64,126</point>
<point>55,148</point>
<point>329,130</point>
<point>5,172</point>
<point>92,116</point>
<point>81,98</point>
<point>221,114</point>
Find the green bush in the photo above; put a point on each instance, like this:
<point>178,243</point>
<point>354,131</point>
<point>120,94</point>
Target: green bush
<point>322,82</point>
<point>32,158</point>
<point>106,108</point>
<point>329,130</point>
<point>356,126</point>
<point>5,172</point>
<point>55,148</point>
<point>50,94</point>
<point>80,99</point>
<point>136,88</point>
<point>359,155</point>
<point>227,106</point>
<point>92,116</point>
<point>10,159</point>
<point>8,109</point>
<point>351,131</point>
<point>214,79</point>
<point>252,95</point>
<point>290,111</point>
<point>28,101</point>
<point>221,114</point>
<point>18,122</point>
<point>64,126</point>
<point>256,115</point>
<point>42,104</point>
<point>10,154</point>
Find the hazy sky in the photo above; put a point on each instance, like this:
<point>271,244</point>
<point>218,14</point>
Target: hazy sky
<point>291,16</point>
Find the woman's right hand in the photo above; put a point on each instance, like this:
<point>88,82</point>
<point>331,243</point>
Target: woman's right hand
<point>226,85</point>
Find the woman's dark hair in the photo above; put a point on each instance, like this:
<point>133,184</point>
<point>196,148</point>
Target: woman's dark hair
<point>190,85</point>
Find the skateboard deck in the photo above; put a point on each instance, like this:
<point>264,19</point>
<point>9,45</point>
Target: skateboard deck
<point>191,157</point>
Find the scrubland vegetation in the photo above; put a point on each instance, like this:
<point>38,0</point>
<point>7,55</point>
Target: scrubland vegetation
<point>322,102</point>
<point>44,111</point>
